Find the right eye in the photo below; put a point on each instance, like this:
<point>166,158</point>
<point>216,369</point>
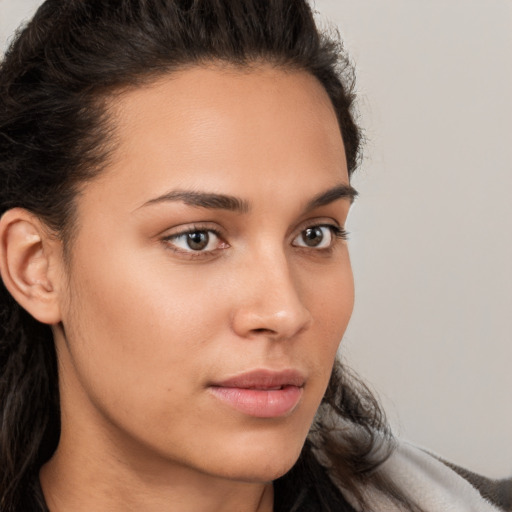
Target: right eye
<point>195,241</point>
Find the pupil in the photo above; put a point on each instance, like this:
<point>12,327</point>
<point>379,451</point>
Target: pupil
<point>313,236</point>
<point>198,240</point>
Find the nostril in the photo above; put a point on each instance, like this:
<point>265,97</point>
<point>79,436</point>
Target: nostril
<point>263,331</point>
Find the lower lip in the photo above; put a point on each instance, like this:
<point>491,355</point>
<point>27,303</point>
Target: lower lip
<point>260,403</point>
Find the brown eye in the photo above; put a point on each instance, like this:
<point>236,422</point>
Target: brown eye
<point>198,240</point>
<point>316,237</point>
<point>312,236</point>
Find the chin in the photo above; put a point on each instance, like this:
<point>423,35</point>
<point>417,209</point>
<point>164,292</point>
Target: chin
<point>265,472</point>
<point>259,450</point>
<point>260,462</point>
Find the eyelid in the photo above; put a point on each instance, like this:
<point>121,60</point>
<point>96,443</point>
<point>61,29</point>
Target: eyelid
<point>192,227</point>
<point>329,222</point>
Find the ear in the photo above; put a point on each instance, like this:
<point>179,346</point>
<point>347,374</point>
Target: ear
<point>29,263</point>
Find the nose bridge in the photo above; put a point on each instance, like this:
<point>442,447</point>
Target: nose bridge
<point>272,304</point>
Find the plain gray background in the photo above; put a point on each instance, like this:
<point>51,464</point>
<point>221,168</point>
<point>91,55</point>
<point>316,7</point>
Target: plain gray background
<point>431,242</point>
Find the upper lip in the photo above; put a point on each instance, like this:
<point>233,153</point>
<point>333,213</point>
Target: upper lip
<point>263,379</point>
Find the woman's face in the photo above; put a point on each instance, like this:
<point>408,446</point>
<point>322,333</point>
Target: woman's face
<point>209,283</point>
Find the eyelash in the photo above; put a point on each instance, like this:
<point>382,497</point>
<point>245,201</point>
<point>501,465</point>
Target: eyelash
<point>338,233</point>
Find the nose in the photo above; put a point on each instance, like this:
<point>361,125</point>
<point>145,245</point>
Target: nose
<point>269,303</point>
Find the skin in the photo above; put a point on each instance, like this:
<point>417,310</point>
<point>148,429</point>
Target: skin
<point>143,324</point>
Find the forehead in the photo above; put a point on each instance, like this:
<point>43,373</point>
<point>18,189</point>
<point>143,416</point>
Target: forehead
<point>218,87</point>
<point>216,127</point>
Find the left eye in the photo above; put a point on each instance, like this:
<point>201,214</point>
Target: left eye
<point>199,240</point>
<point>316,237</point>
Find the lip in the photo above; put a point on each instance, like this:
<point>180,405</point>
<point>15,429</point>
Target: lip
<point>261,393</point>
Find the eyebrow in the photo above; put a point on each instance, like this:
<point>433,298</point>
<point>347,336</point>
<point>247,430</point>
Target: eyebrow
<point>203,200</point>
<point>238,205</point>
<point>342,191</point>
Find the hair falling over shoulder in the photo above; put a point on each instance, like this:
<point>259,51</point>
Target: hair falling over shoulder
<point>54,134</point>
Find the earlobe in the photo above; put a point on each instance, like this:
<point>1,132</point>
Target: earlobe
<point>26,253</point>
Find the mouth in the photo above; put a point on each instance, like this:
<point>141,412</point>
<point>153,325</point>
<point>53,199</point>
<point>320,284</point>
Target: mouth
<point>261,393</point>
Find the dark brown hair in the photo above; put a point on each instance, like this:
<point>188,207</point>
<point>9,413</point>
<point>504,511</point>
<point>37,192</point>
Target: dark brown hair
<point>54,134</point>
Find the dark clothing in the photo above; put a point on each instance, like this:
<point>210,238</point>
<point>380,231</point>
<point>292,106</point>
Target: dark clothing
<point>498,492</point>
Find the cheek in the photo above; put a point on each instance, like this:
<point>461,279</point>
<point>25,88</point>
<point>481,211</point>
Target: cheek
<point>330,298</point>
<point>136,335</point>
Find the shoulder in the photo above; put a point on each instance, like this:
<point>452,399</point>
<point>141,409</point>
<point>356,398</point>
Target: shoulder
<point>435,485</point>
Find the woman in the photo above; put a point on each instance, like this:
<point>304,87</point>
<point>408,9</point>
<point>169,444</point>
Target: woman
<point>175,185</point>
